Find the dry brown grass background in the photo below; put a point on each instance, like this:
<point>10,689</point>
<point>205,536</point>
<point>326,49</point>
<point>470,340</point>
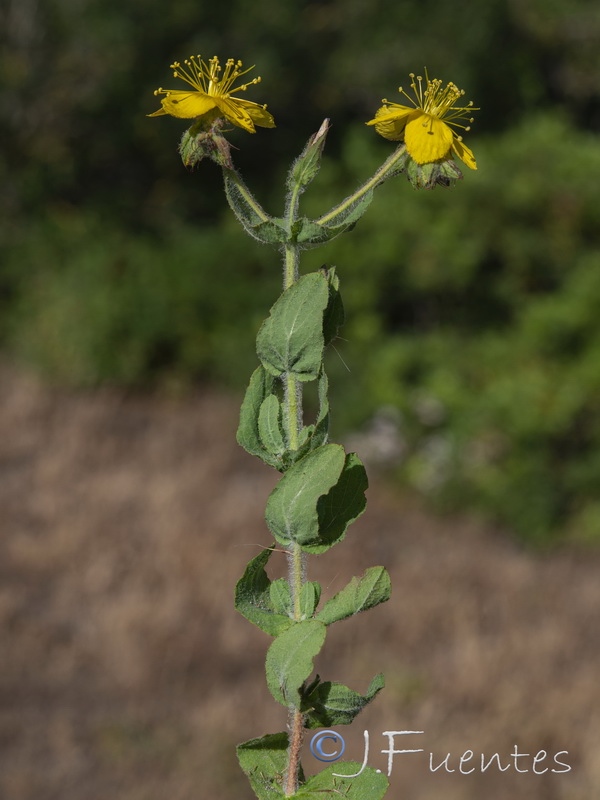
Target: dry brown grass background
<point>126,673</point>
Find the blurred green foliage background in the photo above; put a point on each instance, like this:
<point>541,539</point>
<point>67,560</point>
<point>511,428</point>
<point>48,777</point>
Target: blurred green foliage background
<point>475,311</point>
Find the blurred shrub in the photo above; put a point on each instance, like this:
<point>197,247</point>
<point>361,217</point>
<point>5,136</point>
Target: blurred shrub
<point>93,304</point>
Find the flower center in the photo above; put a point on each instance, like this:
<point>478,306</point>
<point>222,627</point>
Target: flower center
<point>206,78</point>
<point>439,102</point>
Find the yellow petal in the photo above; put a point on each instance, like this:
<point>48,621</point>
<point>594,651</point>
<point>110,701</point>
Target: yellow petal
<point>390,121</point>
<point>186,105</point>
<point>258,114</point>
<point>427,138</point>
<point>234,112</point>
<point>465,155</point>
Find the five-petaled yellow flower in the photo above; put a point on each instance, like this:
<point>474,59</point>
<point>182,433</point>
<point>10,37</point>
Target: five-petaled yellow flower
<point>425,126</point>
<point>211,97</point>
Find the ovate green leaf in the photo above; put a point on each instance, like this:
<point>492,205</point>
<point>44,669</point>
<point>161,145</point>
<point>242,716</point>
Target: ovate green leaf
<point>292,506</point>
<point>291,339</point>
<point>336,704</point>
<point>360,594</point>
<point>253,599</point>
<point>264,761</point>
<point>269,425</point>
<point>369,785</point>
<point>309,598</point>
<point>341,506</point>
<point>248,436</point>
<point>280,596</point>
<point>290,660</point>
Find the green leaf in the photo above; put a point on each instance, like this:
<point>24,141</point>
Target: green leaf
<point>292,505</point>
<point>359,595</point>
<point>348,216</point>
<point>321,431</point>
<point>345,502</point>
<point>290,660</point>
<point>255,221</point>
<point>310,232</point>
<point>310,595</point>
<point>253,597</point>
<point>248,435</point>
<point>333,318</point>
<point>280,596</point>
<point>269,425</point>
<point>307,231</point>
<point>291,339</point>
<point>264,761</point>
<point>273,231</point>
<point>369,785</point>
<point>336,704</point>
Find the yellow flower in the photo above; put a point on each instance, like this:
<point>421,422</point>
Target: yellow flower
<point>211,97</point>
<point>425,127</point>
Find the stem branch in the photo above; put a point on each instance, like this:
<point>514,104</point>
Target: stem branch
<point>379,175</point>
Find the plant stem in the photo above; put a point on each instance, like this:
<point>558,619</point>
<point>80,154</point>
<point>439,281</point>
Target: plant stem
<point>296,557</point>
<point>379,176</point>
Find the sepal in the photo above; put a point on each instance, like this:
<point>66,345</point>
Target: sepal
<point>444,172</point>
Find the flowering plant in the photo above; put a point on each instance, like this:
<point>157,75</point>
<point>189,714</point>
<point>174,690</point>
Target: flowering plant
<point>321,491</point>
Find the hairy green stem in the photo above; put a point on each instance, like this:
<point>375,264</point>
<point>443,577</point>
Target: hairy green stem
<point>296,558</point>
<point>379,175</point>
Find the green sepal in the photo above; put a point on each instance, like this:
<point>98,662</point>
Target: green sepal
<point>371,784</point>
<point>280,595</point>
<point>290,660</point>
<point>248,211</point>
<point>373,588</point>
<point>344,503</point>
<point>264,760</point>
<point>253,597</point>
<point>290,340</point>
<point>444,172</point>
<point>291,512</point>
<point>269,426</point>
<point>334,316</point>
<point>203,140</point>
<point>335,704</point>
<point>307,165</point>
<point>310,595</point>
